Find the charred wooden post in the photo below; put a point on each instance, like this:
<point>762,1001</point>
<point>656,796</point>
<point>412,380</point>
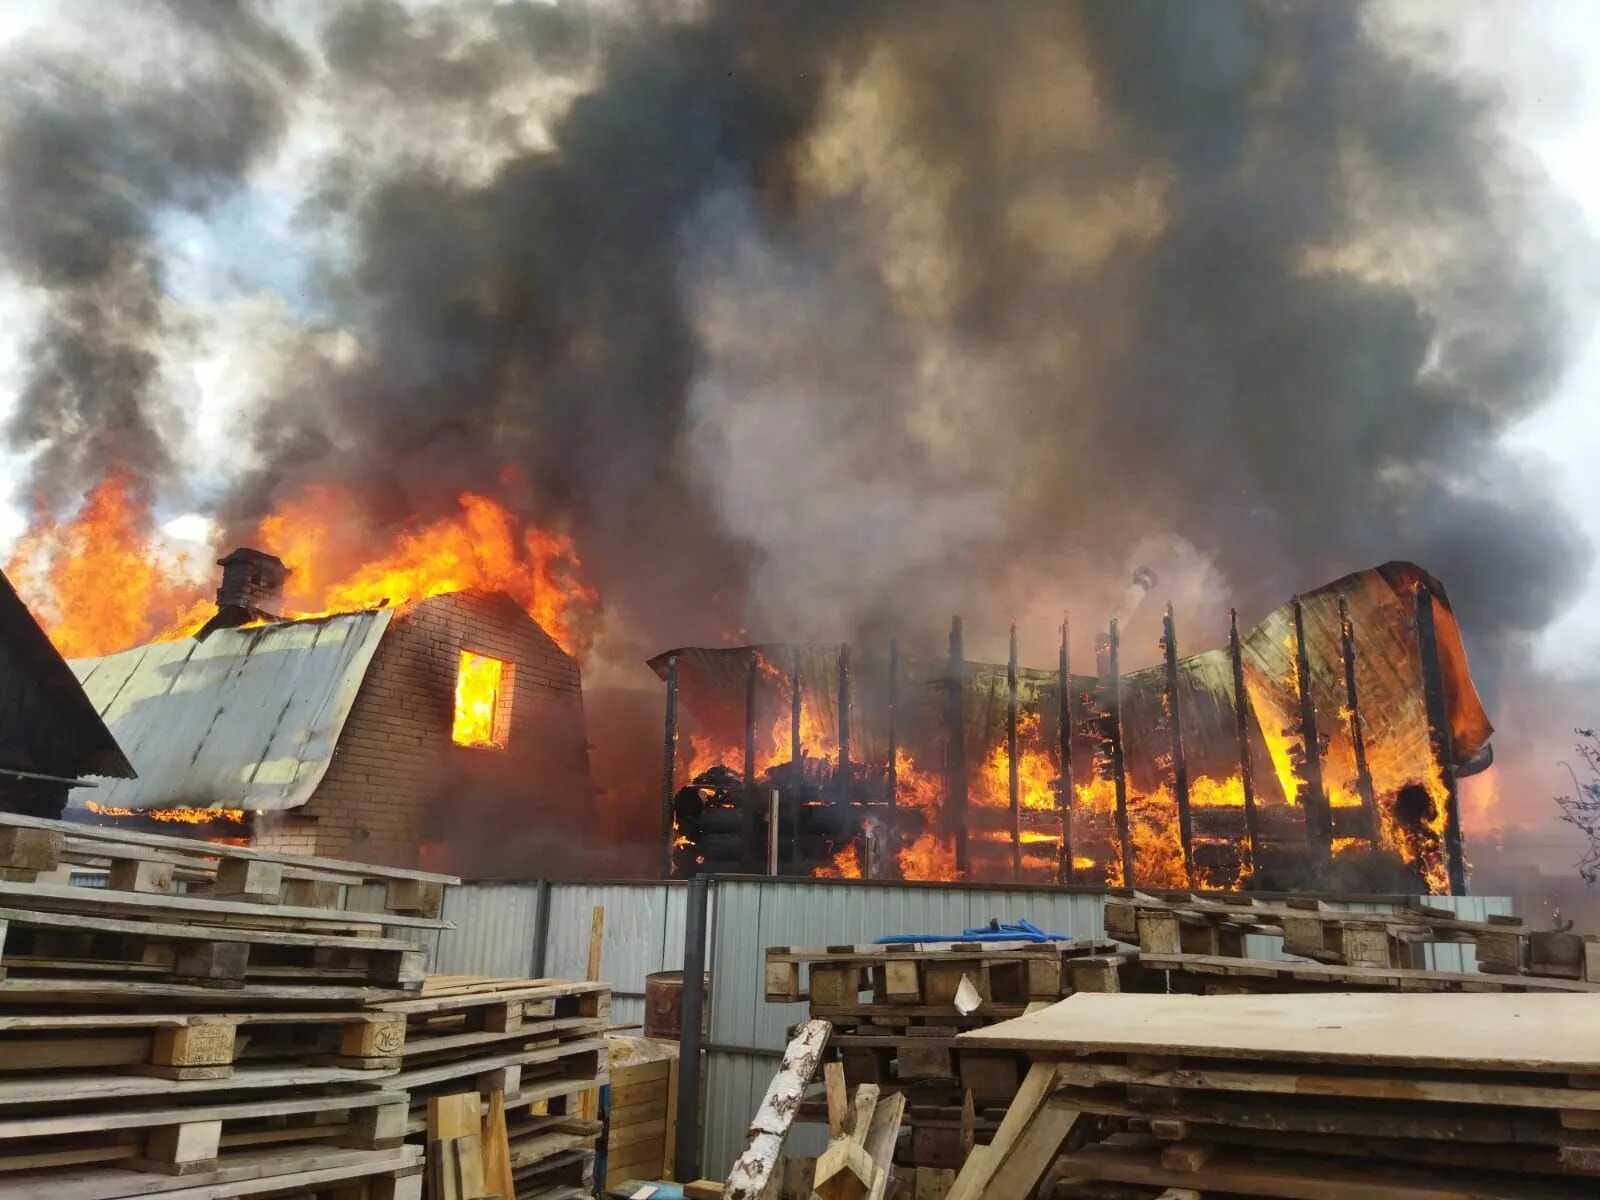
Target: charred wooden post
<point>797,777</point>
<point>1241,723</point>
<point>844,708</point>
<point>753,669</point>
<point>669,765</point>
<point>1180,768</point>
<point>1065,797</point>
<point>1319,820</point>
<point>956,751</point>
<point>894,699</point>
<point>1440,737</point>
<point>1013,782</point>
<point>1118,774</point>
<point>1352,704</point>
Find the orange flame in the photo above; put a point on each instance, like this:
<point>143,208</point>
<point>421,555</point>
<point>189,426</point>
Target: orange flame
<point>183,816</point>
<point>478,680</point>
<point>484,546</point>
<point>99,581</point>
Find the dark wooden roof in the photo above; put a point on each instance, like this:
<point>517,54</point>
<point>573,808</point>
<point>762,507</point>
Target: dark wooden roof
<point>47,724</point>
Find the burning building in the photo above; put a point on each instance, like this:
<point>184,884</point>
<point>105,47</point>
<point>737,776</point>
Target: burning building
<point>1323,745</point>
<point>437,731</point>
<point>51,737</point>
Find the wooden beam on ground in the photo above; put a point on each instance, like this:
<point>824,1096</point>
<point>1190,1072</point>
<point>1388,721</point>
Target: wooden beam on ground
<point>755,1167</point>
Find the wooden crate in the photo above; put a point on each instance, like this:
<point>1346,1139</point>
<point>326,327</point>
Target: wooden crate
<point>643,1120</point>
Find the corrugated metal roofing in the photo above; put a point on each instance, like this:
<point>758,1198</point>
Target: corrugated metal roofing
<point>247,718</point>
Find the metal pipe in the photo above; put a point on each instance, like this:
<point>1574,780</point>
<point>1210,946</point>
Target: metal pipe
<point>686,1165</point>
<point>1180,768</point>
<point>844,707</point>
<point>1118,773</point>
<point>1013,779</point>
<point>1241,720</point>
<point>1065,797</point>
<point>669,766</point>
<point>1441,739</point>
<point>956,752</point>
<point>1319,821</point>
<point>541,929</point>
<point>773,807</point>
<point>1358,740</point>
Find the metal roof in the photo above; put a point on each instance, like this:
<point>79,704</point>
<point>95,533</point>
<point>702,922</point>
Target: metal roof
<point>46,722</point>
<point>246,718</point>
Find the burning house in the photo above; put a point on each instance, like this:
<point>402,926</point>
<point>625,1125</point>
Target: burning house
<point>436,731</point>
<point>1323,744</point>
<point>51,737</point>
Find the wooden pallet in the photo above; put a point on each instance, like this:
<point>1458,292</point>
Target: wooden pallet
<point>321,1171</point>
<point>179,1127</point>
<point>33,849</point>
<point>1490,1094</point>
<point>47,944</point>
<point>567,1175</point>
<point>534,1040</point>
<point>1216,927</point>
<point>921,973</point>
<point>1218,974</point>
<point>59,1047</point>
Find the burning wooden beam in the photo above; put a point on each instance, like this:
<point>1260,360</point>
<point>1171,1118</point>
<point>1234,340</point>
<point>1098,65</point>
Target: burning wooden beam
<point>1064,795</point>
<point>1352,704</point>
<point>669,766</point>
<point>956,751</point>
<point>1439,737</point>
<point>1241,716</point>
<point>1319,828</point>
<point>1180,770</point>
<point>1012,781</point>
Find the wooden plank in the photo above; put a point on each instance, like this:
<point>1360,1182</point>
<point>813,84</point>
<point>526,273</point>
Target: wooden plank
<point>1311,1179</point>
<point>838,1105</point>
<point>78,1122</point>
<point>37,896</point>
<point>1374,976</point>
<point>54,1090</point>
<point>1034,1150</point>
<point>1543,1032</point>
<point>975,1177</point>
<point>282,1169</point>
<point>189,846</point>
<point>497,1177</point>
<point>1408,1087</point>
<point>754,1168</point>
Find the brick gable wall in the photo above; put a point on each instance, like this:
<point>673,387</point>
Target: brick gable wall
<point>399,791</point>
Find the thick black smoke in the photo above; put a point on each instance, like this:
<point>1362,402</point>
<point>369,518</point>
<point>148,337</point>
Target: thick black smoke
<point>832,317</point>
<point>96,142</point>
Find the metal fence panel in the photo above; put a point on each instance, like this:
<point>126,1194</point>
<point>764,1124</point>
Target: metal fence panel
<point>747,1034</point>
<point>643,934</point>
<point>494,930</point>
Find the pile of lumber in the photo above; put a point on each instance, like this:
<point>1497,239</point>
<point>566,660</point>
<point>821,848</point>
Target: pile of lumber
<point>200,1021</point>
<point>1347,1096</point>
<point>895,1010</point>
<point>535,1046</point>
<point>1195,943</point>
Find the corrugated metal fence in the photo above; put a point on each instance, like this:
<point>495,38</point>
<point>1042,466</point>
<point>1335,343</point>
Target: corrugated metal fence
<point>500,931</point>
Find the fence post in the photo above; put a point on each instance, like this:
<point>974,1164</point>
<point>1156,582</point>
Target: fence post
<point>541,929</point>
<point>687,1162</point>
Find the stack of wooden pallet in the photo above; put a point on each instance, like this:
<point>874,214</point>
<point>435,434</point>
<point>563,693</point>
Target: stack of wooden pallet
<point>644,1103</point>
<point>895,1010</point>
<point>1198,944</point>
<point>1333,1097</point>
<point>198,1024</point>
<point>539,1043</point>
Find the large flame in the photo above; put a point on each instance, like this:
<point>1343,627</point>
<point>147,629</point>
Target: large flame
<point>482,546</point>
<point>101,580</point>
<point>478,682</point>
<point>175,816</point>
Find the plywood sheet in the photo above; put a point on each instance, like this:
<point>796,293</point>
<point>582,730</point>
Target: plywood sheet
<point>1468,1031</point>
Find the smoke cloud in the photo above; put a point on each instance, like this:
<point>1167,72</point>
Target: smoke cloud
<point>824,319</point>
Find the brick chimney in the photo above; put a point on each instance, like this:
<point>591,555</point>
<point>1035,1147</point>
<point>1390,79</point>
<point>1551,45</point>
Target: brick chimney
<point>251,590</point>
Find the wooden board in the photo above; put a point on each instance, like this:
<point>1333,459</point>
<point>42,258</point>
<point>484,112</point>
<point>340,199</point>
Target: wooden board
<point>1534,1032</point>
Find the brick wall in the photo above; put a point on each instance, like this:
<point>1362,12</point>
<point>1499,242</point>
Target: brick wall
<point>398,783</point>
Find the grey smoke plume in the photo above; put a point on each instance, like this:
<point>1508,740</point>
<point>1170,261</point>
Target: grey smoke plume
<point>96,141</point>
<point>827,318</point>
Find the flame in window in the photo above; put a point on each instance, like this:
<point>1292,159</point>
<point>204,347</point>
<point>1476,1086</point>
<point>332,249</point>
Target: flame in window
<point>478,682</point>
